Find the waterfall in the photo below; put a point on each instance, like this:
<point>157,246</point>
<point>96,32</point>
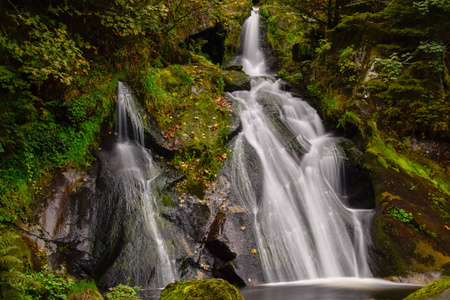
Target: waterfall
<point>136,173</point>
<point>253,59</point>
<point>303,228</point>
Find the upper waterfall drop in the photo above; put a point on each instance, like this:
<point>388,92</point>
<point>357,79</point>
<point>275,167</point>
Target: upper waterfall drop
<point>302,226</point>
<point>253,58</point>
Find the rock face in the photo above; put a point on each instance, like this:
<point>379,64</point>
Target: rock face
<point>64,231</point>
<point>406,238</point>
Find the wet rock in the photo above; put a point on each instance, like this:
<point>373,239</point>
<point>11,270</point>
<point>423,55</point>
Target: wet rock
<point>289,139</point>
<point>234,68</point>
<point>236,81</point>
<point>357,182</point>
<point>219,249</point>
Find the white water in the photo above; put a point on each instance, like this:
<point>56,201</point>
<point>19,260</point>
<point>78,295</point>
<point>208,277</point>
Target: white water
<point>253,59</point>
<point>138,172</point>
<point>302,226</point>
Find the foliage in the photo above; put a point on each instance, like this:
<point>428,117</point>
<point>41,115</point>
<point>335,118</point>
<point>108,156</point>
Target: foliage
<point>123,291</point>
<point>11,266</point>
<point>61,134</point>
<point>390,67</point>
<point>57,62</point>
<point>53,286</point>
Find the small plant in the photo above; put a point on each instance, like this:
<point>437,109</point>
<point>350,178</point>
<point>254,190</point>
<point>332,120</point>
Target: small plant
<point>400,214</point>
<point>123,290</point>
<point>312,91</point>
<point>390,67</point>
<point>282,74</point>
<point>53,286</point>
<point>85,290</point>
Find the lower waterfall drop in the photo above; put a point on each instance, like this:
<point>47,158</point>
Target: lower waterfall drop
<point>302,225</point>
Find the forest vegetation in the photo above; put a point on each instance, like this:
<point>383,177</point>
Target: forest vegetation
<point>378,72</point>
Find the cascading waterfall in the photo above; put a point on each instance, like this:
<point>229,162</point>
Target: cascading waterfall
<point>302,226</point>
<point>137,173</point>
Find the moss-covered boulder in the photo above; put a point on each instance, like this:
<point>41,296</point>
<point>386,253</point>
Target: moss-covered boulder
<point>439,289</point>
<point>410,227</point>
<point>236,80</point>
<point>217,289</point>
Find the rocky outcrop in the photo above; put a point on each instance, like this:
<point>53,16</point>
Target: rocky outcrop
<point>63,229</point>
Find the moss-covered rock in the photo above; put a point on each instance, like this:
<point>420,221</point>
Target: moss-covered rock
<point>217,289</point>
<point>438,290</point>
<point>406,238</point>
<point>236,80</point>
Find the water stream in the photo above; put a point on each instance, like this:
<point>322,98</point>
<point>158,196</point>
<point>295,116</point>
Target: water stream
<point>303,227</point>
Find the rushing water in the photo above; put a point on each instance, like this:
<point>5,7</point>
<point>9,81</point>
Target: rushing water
<point>136,173</point>
<point>303,228</point>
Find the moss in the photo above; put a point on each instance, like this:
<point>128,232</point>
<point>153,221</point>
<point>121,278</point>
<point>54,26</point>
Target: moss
<point>432,290</point>
<point>396,156</point>
<point>217,289</point>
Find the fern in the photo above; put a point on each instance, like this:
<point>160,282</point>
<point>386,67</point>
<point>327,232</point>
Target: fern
<point>11,278</point>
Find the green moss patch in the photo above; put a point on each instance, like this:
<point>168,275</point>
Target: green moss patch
<point>217,289</point>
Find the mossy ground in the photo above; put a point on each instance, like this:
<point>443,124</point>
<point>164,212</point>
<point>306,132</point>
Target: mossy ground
<point>218,289</point>
<point>188,104</point>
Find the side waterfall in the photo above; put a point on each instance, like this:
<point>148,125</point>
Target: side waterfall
<point>137,173</point>
<point>303,228</point>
